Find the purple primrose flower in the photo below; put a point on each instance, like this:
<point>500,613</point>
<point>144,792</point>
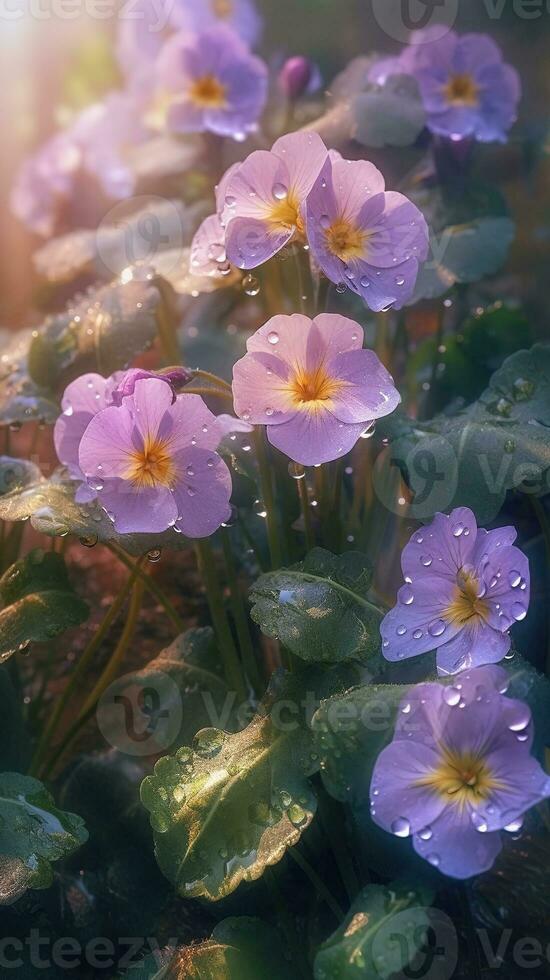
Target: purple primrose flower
<point>201,15</point>
<point>298,76</point>
<point>264,197</point>
<point>458,771</point>
<point>312,384</point>
<point>213,83</point>
<point>464,588</point>
<point>364,236</point>
<point>146,454</point>
<point>467,89</point>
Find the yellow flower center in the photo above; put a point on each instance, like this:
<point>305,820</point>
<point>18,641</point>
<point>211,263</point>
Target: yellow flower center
<point>151,465</point>
<point>314,389</point>
<point>208,93</point>
<point>345,240</point>
<point>222,8</point>
<point>286,212</point>
<point>462,90</point>
<point>466,605</point>
<point>462,777</point>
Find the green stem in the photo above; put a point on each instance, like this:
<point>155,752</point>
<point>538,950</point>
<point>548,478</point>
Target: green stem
<point>165,323</point>
<point>306,512</point>
<point>49,732</point>
<point>304,278</point>
<point>228,651</point>
<point>317,883</point>
<point>268,498</point>
<point>331,814</point>
<point>240,617</point>
<point>107,677</point>
<point>150,584</point>
<point>287,922</point>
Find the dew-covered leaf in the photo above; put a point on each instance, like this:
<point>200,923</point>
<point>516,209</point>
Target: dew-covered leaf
<point>380,936</point>
<point>52,510</point>
<point>22,399</point>
<point>231,805</point>
<point>103,332</point>
<point>472,459</point>
<point>529,685</point>
<point>33,833</point>
<point>37,602</point>
<point>392,114</point>
<point>240,948</point>
<point>319,608</point>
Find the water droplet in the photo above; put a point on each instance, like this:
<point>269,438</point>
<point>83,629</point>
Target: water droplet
<point>418,634</point>
<point>89,541</point>
<point>458,530</point>
<point>426,833</point>
<point>280,191</point>
<point>324,221</point>
<point>514,579</point>
<point>437,627</point>
<point>406,595</point>
<point>519,611</point>
<point>514,826</point>
<point>273,337</point>
<point>401,630</point>
<point>251,285</point>
<point>154,554</point>
<point>522,719</point>
<point>426,560</point>
<point>401,827</point>
<point>296,471</point>
<point>451,696</point>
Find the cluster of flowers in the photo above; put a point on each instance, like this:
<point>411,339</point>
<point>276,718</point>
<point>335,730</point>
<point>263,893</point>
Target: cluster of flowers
<point>359,234</point>
<point>467,89</point>
<point>187,68</point>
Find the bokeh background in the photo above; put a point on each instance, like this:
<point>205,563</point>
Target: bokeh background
<point>52,66</point>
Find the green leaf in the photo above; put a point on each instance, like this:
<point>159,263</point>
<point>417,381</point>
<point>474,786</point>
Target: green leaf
<point>22,399</point>
<point>52,510</point>
<point>319,608</point>
<point>380,936</point>
<point>33,833</point>
<point>240,948</point>
<point>463,253</point>
<point>499,443</point>
<point>529,685</point>
<point>350,730</point>
<point>101,332</point>
<point>37,602</point>
<point>233,804</point>
<point>392,114</point>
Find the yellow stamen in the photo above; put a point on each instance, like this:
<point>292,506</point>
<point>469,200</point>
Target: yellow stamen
<point>314,389</point>
<point>151,465</point>
<point>287,213</point>
<point>222,8</point>
<point>462,90</point>
<point>462,778</point>
<point>466,606</point>
<point>345,240</point>
<point>208,93</point>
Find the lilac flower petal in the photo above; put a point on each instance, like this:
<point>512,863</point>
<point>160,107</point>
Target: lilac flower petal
<point>473,646</point>
<point>227,424</point>
<point>525,784</point>
<point>203,492</point>
<point>303,155</point>
<point>474,50</point>
<point>105,445</point>
<point>369,391</point>
<point>339,334</point>
<point>396,800</point>
<point>261,389</point>
<point>455,847</point>
<point>249,189</point>
<point>201,15</point>
<point>316,437</point>
<point>250,243</point>
<point>415,624</point>
<point>221,188</point>
<point>506,575</point>
<point>81,400</point>
<point>149,510</point>
<point>442,547</point>
<point>127,384</point>
<point>401,233</point>
<point>490,541</point>
<point>193,424</point>
<point>208,252</point>
<point>284,336</point>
